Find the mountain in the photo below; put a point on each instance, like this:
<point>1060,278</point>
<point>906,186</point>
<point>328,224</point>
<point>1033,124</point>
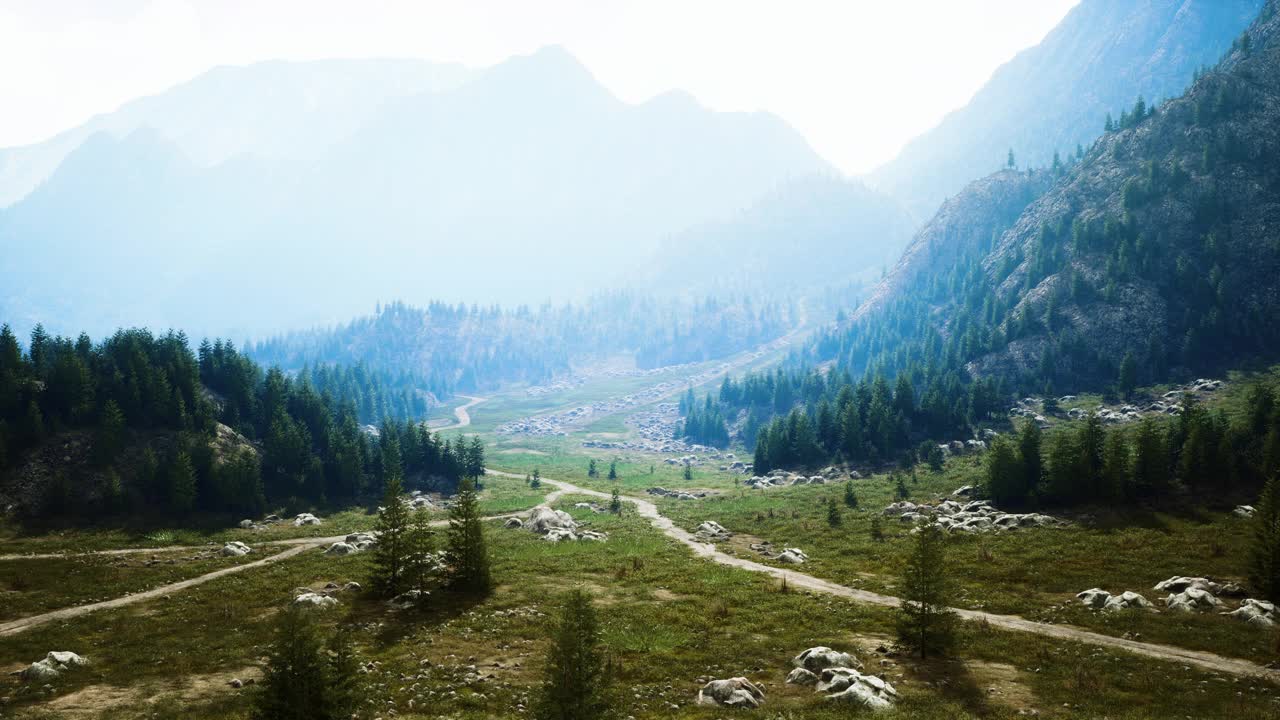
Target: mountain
<point>851,230</point>
<point>530,163</point>
<point>1157,251</point>
<point>271,108</point>
<point>1056,95</point>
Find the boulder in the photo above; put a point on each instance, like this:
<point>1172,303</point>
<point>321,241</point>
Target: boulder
<point>314,601</point>
<point>792,556</point>
<point>409,599</point>
<point>235,548</point>
<point>1192,599</point>
<point>341,548</point>
<point>305,519</point>
<point>963,491</point>
<point>817,659</point>
<point>542,519</point>
<point>1179,583</point>
<point>1095,598</point>
<point>362,540</point>
<point>850,686</point>
<point>1244,511</point>
<point>800,676</point>
<point>1127,600</point>
<point>556,534</point>
<point>514,522</point>
<point>593,536</point>
<point>1255,612</point>
<point>711,529</point>
<point>246,524</point>
<point>54,664</point>
<point>736,692</point>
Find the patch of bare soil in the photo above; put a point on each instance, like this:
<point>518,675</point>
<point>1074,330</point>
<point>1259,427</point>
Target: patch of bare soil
<point>106,701</point>
<point>1003,684</point>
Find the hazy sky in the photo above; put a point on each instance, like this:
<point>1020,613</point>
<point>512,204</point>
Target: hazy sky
<point>857,78</point>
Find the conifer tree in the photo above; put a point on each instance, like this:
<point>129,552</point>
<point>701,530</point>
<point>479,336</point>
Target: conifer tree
<point>181,477</point>
<point>925,622</point>
<point>850,499</point>
<point>467,553</point>
<point>391,551</point>
<point>536,482</point>
<point>613,470</point>
<point>877,528</point>
<point>833,513</point>
<point>615,503</point>
<point>296,685</point>
<point>592,471</point>
<point>1150,469</point>
<point>575,684</point>
<point>1005,478</point>
<point>1030,457</point>
<point>1264,554</point>
<point>688,472</point>
<point>420,561</point>
<point>900,490</point>
<point>109,439</point>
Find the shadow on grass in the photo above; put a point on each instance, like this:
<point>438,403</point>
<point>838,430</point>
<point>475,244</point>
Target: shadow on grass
<point>394,626</point>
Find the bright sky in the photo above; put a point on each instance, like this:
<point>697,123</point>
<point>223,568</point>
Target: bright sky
<point>857,78</point>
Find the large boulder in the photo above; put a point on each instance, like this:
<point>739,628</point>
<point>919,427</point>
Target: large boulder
<point>543,519</point>
<point>1244,511</point>
<point>711,529</point>
<point>341,548</point>
<point>817,659</point>
<point>409,599</point>
<point>800,676</point>
<point>513,522</point>
<point>736,692</point>
<point>235,548</point>
<point>53,665</point>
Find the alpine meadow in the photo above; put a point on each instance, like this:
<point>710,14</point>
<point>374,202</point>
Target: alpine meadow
<point>626,361</point>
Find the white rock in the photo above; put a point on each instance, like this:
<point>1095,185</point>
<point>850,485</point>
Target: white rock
<point>1244,511</point>
<point>235,548</point>
<point>817,659</point>
<point>1191,599</point>
<point>341,548</point>
<point>850,686</point>
<point>792,556</point>
<point>1095,598</point>
<point>1179,583</point>
<point>54,664</point>
<point>711,528</point>
<point>1255,612</point>
<point>1127,600</point>
<point>736,692</point>
<point>314,601</point>
<point>306,519</point>
<point>542,519</point>
<point>800,676</point>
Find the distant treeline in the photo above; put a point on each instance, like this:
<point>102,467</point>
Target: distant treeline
<point>443,349</point>
<point>149,410</point>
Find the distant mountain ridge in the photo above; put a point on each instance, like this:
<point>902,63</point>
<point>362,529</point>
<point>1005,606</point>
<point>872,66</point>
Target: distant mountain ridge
<point>531,164</point>
<point>1056,95</point>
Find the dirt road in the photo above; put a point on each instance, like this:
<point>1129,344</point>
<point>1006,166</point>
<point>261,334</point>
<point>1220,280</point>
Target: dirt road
<point>461,414</point>
<point>1169,653</point>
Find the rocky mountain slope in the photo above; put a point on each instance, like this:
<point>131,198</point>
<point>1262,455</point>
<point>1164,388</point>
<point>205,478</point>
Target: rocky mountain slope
<point>1051,97</point>
<point>1161,244</point>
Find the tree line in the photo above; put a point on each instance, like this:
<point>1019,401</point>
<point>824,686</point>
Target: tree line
<point>149,410</point>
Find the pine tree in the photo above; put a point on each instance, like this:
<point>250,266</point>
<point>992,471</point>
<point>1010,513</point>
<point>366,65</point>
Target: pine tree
<point>575,683</point>
<point>391,551</point>
<point>1116,478</point>
<point>877,528</point>
<point>615,503</point>
<point>900,490</point>
<point>1150,469</point>
<point>1030,455</point>
<point>1005,478</point>
<point>109,439</point>
<point>1128,380</point>
<point>688,472</point>
<point>1010,162</point>
<point>833,513</point>
<point>181,477</point>
<point>467,553</point>
<point>420,562</point>
<point>850,499</point>
<point>925,622</point>
<point>345,687</point>
<point>296,684</point>
<point>536,483</point>
<point>592,471</point>
<point>613,470</point>
<point>1264,555</point>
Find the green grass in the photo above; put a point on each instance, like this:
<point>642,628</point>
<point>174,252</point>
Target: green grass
<point>667,619</point>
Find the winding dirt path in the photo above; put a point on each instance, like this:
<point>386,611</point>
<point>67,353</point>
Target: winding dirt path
<point>1169,653</point>
<point>463,417</point>
<point>296,546</point>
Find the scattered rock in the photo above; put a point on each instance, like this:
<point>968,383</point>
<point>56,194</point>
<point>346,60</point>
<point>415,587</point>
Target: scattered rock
<point>800,676</point>
<point>306,519</point>
<point>712,530</point>
<point>736,692</point>
<point>850,686</point>
<point>409,599</point>
<point>314,601</point>
<point>341,549</point>
<point>513,522</point>
<point>1255,612</point>
<point>792,556</point>
<point>1244,511</point>
<point>1192,599</point>
<point>53,665</point>
<point>817,659</point>
<point>235,548</point>
<point>1179,583</point>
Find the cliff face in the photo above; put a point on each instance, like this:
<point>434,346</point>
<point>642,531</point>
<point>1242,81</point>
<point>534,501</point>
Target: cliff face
<point>1051,97</point>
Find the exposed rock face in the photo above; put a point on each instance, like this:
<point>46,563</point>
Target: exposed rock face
<point>52,666</point>
<point>1103,600</point>
<point>736,692</point>
<point>556,526</point>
